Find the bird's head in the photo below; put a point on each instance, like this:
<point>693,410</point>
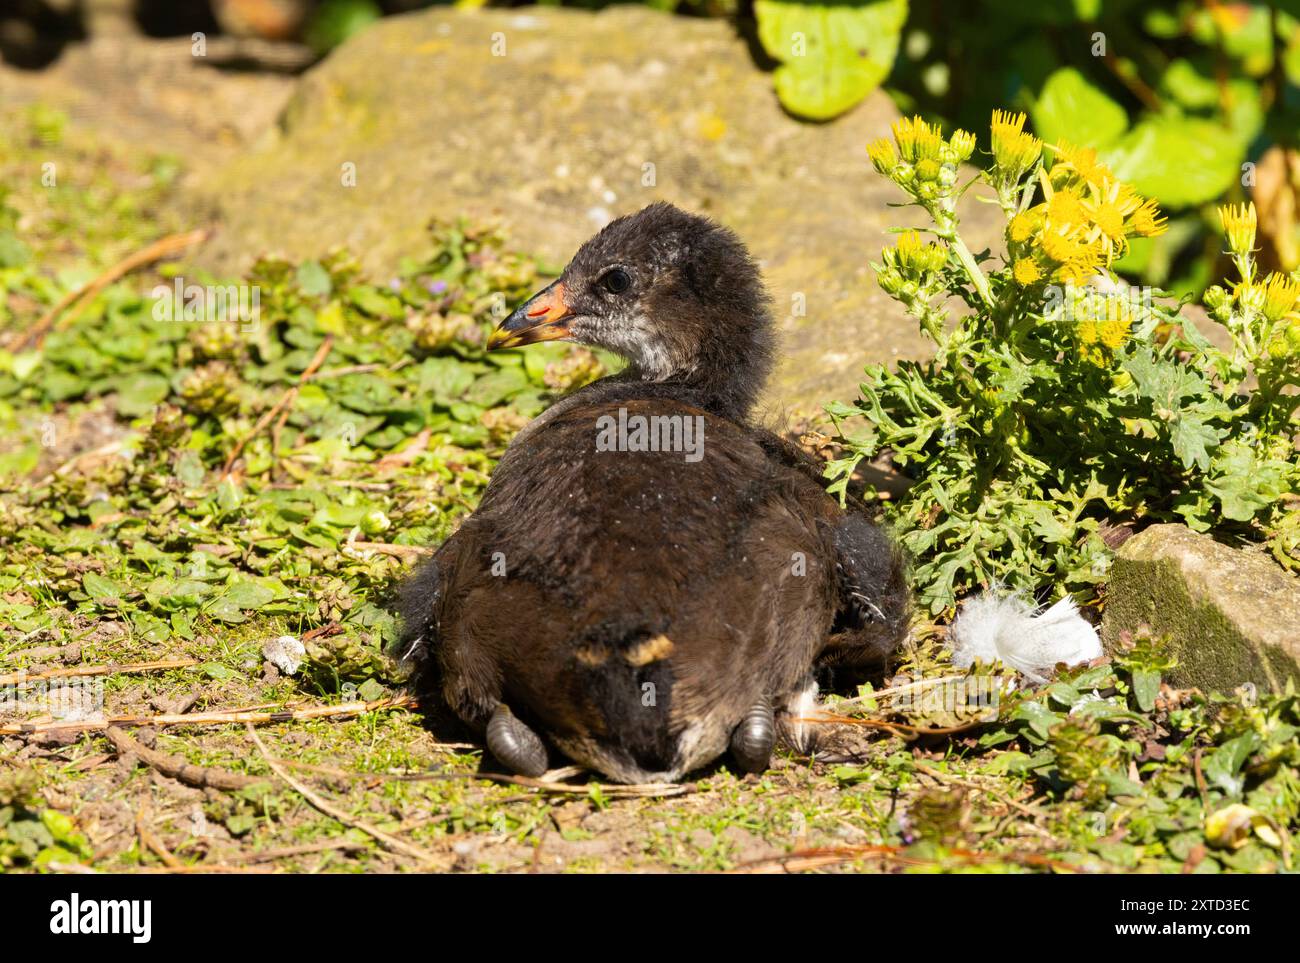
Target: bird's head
<point>675,294</point>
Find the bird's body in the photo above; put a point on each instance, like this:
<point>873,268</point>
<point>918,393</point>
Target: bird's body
<point>649,577</point>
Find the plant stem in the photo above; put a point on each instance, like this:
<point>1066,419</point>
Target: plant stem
<point>967,261</point>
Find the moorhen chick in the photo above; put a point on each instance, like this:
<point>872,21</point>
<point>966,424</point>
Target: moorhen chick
<point>651,579</point>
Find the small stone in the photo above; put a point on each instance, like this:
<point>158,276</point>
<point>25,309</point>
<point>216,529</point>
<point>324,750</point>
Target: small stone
<point>285,653</point>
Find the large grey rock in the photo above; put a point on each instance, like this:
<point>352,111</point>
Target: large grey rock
<point>556,120</point>
<point>1233,614</point>
<point>157,96</point>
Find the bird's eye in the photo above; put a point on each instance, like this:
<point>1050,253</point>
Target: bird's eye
<point>616,281</point>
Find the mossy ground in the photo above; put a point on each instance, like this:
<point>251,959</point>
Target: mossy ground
<point>125,539</point>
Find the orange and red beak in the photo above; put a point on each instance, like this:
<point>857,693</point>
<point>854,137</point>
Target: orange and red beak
<point>543,317</point>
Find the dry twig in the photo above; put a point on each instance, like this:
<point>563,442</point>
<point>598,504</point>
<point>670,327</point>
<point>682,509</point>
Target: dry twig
<point>78,299</point>
<point>84,671</point>
<point>253,716</point>
<point>150,840</point>
<point>609,790</point>
<point>385,548</point>
<point>388,841</point>
<point>283,405</point>
<point>817,857</point>
<point>201,777</point>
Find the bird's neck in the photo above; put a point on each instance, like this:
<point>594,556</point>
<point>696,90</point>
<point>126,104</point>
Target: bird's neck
<point>726,377</point>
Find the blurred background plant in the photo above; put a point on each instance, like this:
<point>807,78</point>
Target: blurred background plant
<point>1193,101</point>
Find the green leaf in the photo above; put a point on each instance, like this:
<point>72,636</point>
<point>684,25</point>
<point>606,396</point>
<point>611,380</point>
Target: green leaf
<point>1146,686</point>
<point>1072,109</point>
<point>1038,716</point>
<point>1193,441</point>
<point>100,588</point>
<point>141,394</point>
<point>13,252</point>
<point>314,280</point>
<point>219,672</point>
<point>1180,161</point>
<point>496,387</point>
<point>1223,765</point>
<point>247,594</point>
<point>1164,384</point>
<point>1189,86</point>
<point>1245,484</point>
<point>375,302</point>
<point>831,56</point>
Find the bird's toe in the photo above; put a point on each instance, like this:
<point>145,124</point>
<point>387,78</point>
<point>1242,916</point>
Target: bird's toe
<point>514,744</point>
<point>753,739</point>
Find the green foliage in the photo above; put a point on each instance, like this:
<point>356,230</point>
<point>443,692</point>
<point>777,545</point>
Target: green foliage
<point>1127,773</point>
<point>1175,95</point>
<point>390,440</point>
<point>832,54</point>
<point>334,21</point>
<point>1062,404</point>
<point>32,835</point>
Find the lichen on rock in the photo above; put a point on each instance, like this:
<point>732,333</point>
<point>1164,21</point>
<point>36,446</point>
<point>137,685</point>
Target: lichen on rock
<point>1232,614</point>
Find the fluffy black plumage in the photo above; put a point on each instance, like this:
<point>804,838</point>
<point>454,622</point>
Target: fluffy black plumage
<point>641,609</point>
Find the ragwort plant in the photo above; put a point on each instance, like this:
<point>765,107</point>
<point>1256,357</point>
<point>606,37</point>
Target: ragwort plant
<point>1063,406</point>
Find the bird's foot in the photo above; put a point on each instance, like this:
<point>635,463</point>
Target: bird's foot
<point>753,739</point>
<point>515,745</point>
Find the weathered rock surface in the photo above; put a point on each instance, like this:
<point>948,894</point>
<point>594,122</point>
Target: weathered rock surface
<point>158,96</point>
<point>557,120</point>
<point>1233,614</point>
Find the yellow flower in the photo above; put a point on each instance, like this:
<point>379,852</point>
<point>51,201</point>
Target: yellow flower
<point>1077,272</point>
<point>1079,162</point>
<point>1065,208</point>
<point>1084,221</point>
<point>882,155</point>
<point>1239,226</point>
<point>908,242</point>
<point>1113,332</point>
<point>1104,328</point>
<point>1248,295</point>
<point>917,140</point>
<point>1280,295</point>
<point>1110,220</point>
<point>1110,204</point>
<point>1147,221</point>
<point>962,143</point>
<point>928,169</point>
<point>1022,227</point>
<point>1026,272</point>
<point>1006,125</point>
<point>1014,151</point>
<point>916,257</point>
<point>1062,245</point>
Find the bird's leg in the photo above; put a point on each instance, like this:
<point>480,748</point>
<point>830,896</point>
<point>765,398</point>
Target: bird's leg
<point>515,745</point>
<point>752,740</point>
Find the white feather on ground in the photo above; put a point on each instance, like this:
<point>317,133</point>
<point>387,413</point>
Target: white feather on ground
<point>991,629</point>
